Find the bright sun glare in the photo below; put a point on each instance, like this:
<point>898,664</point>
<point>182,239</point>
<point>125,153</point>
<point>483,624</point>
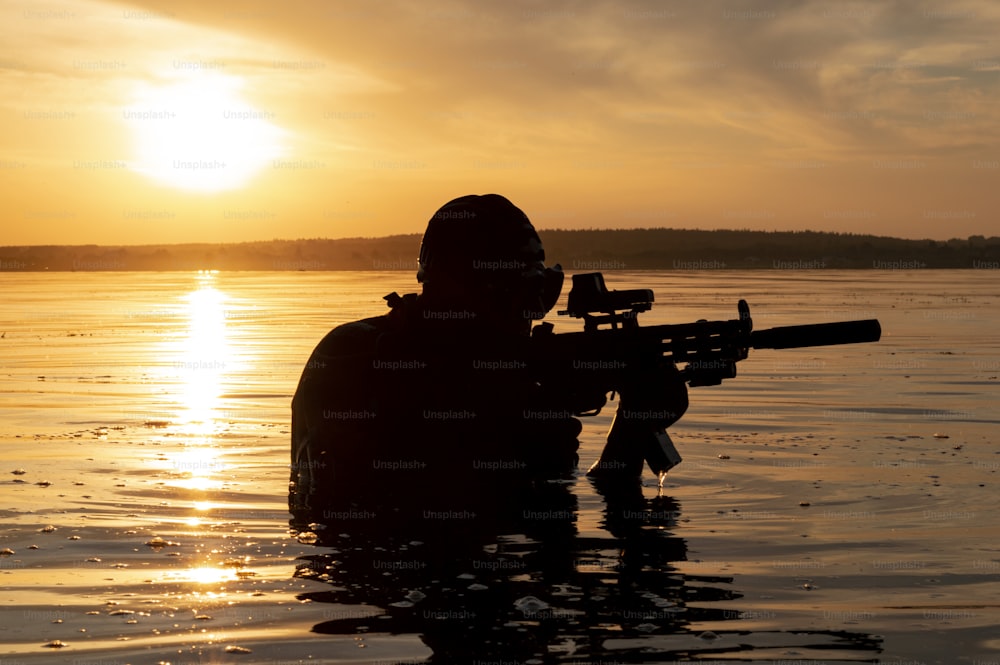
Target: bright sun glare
<point>205,359</point>
<point>205,575</point>
<point>199,134</point>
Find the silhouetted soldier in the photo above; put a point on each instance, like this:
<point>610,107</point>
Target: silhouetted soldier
<point>441,390</point>
<point>422,436</point>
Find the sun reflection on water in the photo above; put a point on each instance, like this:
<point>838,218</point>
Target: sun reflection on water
<point>204,575</point>
<point>200,364</point>
<point>204,357</point>
<point>197,465</point>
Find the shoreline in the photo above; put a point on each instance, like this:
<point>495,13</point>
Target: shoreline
<point>576,250</point>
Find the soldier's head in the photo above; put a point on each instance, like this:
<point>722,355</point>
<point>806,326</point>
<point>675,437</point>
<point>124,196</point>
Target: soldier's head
<point>481,253</point>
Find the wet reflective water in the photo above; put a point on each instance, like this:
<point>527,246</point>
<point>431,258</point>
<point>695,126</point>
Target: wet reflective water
<point>834,505</point>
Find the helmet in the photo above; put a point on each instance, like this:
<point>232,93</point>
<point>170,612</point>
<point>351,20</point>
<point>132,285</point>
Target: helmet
<point>485,243</point>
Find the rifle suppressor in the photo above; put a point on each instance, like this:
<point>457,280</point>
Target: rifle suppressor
<point>817,334</point>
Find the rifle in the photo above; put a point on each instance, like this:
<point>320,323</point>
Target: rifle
<point>634,360</point>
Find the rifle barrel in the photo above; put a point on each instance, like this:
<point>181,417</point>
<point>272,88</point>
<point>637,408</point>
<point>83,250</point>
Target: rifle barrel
<point>817,334</point>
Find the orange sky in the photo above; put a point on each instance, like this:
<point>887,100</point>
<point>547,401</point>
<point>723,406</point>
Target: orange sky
<point>184,120</point>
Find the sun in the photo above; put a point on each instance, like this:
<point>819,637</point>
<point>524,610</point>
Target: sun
<point>197,133</point>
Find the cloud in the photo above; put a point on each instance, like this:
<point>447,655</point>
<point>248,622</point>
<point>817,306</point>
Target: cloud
<point>822,77</point>
<point>667,105</point>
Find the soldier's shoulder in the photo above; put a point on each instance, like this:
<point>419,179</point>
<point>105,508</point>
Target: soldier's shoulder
<point>353,337</point>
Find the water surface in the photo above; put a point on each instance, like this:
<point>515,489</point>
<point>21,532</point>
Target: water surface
<point>835,504</point>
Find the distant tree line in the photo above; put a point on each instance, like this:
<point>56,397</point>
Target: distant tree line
<point>576,250</point>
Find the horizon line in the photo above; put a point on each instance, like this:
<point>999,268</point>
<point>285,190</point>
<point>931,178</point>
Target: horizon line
<point>540,230</point>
